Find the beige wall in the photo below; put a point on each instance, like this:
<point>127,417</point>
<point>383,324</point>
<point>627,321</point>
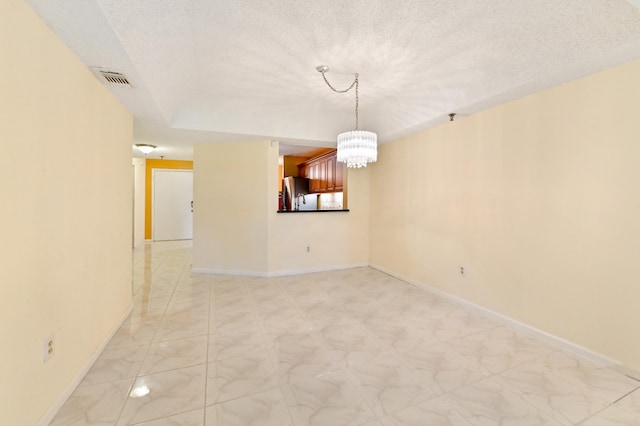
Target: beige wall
<point>65,216</point>
<point>538,199</point>
<point>230,195</point>
<point>237,230</point>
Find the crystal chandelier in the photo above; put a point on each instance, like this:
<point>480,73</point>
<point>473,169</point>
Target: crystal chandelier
<point>357,148</point>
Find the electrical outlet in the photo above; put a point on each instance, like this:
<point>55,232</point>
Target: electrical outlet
<point>49,348</point>
<point>462,271</point>
<point>308,249</point>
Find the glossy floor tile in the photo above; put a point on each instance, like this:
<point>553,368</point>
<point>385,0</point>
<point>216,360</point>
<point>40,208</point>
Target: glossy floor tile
<point>351,347</point>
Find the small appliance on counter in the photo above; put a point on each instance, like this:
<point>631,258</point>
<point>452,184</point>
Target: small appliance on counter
<point>295,194</point>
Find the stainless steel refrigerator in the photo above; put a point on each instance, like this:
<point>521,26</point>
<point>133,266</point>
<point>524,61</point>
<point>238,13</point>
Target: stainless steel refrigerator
<point>296,194</point>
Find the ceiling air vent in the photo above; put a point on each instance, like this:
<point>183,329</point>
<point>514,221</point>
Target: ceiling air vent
<point>112,77</point>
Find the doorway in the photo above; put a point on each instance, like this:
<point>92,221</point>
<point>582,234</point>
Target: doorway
<point>172,211</point>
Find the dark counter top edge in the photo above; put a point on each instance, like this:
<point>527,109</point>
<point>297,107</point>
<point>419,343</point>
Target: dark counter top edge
<point>311,211</point>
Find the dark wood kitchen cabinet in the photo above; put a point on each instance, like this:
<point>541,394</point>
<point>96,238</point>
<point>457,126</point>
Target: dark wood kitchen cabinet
<point>322,172</point>
<point>338,176</point>
<point>331,174</point>
<point>326,174</point>
<point>314,175</point>
<point>304,170</point>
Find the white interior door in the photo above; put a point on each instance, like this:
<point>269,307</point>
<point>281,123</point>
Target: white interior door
<point>172,217</point>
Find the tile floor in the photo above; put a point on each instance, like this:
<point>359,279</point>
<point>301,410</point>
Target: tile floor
<point>353,347</point>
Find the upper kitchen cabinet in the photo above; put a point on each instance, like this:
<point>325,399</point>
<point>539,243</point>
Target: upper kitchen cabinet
<point>325,172</point>
<point>340,172</point>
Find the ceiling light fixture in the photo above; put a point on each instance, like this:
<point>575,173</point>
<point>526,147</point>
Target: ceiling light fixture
<point>145,148</point>
<point>357,148</point>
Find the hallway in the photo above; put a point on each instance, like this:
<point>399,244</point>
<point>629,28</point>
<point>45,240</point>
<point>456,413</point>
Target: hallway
<point>350,347</point>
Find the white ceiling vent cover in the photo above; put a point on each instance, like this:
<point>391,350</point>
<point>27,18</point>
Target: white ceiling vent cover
<point>112,77</point>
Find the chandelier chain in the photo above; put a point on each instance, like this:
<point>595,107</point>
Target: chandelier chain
<point>355,83</point>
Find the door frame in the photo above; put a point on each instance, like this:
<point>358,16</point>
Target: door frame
<point>150,165</point>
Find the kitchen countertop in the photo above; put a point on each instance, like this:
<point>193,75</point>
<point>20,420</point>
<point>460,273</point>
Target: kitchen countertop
<point>312,211</point>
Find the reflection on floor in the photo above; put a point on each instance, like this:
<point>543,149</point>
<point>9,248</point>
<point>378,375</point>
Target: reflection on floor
<point>352,347</point>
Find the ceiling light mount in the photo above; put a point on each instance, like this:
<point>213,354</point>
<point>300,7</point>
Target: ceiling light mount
<point>357,148</point>
<point>145,148</point>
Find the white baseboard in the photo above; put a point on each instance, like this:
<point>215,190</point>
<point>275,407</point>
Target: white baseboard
<point>313,270</point>
<point>561,343</point>
<point>275,273</point>
<point>635,375</point>
<point>66,393</point>
<point>228,272</point>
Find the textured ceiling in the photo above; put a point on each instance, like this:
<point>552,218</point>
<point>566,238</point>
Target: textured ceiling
<point>237,70</point>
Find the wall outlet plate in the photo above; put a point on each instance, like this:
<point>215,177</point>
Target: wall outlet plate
<point>48,348</point>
